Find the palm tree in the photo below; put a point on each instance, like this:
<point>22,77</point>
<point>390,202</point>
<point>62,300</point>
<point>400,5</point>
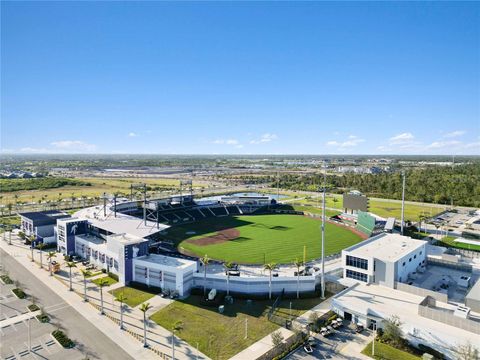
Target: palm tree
<point>70,265</point>
<point>144,308</point>
<point>85,274</point>
<point>40,247</point>
<point>32,239</point>
<point>176,327</point>
<point>270,267</point>
<point>228,266</point>
<point>50,256</point>
<point>121,299</point>
<point>101,284</point>
<point>205,261</point>
<point>298,264</point>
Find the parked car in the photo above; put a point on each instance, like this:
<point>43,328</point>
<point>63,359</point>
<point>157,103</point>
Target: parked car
<point>308,349</point>
<point>165,293</point>
<point>359,328</point>
<point>311,341</point>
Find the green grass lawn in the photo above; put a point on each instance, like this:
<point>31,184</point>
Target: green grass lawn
<point>134,296</point>
<point>110,280</point>
<point>387,352</point>
<point>280,238</point>
<point>220,336</point>
<point>394,209</point>
<point>449,241</point>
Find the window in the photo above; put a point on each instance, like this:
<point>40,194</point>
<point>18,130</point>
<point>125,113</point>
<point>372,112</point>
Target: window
<point>415,256</point>
<point>403,263</point>
<point>357,262</point>
<point>357,275</point>
<point>420,253</point>
<point>410,260</point>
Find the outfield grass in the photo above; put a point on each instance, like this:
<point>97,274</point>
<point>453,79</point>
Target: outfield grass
<point>384,208</point>
<point>275,238</point>
<point>449,241</point>
<point>134,296</point>
<point>220,336</point>
<point>110,280</point>
<point>387,352</point>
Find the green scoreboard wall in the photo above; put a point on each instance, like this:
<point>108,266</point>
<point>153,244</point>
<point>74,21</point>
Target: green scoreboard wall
<point>365,222</point>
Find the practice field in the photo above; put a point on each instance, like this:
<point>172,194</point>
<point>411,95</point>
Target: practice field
<point>258,238</point>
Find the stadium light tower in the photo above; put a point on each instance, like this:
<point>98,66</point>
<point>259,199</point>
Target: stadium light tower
<point>323,231</point>
<point>403,203</point>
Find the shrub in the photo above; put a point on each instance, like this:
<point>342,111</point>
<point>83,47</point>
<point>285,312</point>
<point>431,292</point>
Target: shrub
<point>113,276</point>
<point>19,293</point>
<point>43,318</point>
<point>33,307</point>
<point>429,350</point>
<point>63,339</point>
<point>6,279</point>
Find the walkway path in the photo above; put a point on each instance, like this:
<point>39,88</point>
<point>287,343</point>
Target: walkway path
<point>130,340</point>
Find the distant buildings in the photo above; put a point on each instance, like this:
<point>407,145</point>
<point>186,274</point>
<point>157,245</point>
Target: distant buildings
<point>20,175</point>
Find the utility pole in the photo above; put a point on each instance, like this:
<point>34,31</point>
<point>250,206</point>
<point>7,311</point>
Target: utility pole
<point>145,204</point>
<point>278,189</point>
<point>246,328</point>
<point>323,233</point>
<point>29,337</point>
<point>403,203</point>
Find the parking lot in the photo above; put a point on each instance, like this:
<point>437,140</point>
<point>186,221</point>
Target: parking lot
<point>15,321</point>
<point>332,347</point>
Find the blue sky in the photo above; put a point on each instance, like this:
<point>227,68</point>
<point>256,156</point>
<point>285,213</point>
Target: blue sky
<point>241,78</point>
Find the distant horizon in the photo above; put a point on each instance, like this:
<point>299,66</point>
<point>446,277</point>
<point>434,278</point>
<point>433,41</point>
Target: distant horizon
<point>247,155</point>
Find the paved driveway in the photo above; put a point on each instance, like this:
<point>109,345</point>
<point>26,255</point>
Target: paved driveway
<point>334,347</point>
<point>90,341</point>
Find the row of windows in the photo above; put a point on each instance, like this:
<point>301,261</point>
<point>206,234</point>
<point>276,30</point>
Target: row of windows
<point>357,276</point>
<point>410,259</point>
<point>357,262</point>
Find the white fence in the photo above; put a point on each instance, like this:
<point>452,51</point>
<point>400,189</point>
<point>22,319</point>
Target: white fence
<point>255,285</point>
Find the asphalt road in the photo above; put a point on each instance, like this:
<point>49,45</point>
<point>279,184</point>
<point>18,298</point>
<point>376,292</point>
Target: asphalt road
<point>90,341</point>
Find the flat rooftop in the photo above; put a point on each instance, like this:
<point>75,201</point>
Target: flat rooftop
<point>121,224</point>
<point>166,260</point>
<point>387,247</point>
<point>379,301</point>
<point>90,238</point>
<point>49,216</point>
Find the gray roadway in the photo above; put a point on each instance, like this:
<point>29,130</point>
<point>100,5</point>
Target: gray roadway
<point>90,341</point>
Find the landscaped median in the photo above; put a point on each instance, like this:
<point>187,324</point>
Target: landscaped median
<point>63,339</point>
<point>220,336</point>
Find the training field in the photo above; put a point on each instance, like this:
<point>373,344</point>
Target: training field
<point>258,238</point>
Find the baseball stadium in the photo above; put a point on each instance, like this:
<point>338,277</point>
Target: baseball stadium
<point>244,229</point>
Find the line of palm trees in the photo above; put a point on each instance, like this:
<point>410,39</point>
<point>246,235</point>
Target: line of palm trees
<point>101,283</point>
<point>228,265</point>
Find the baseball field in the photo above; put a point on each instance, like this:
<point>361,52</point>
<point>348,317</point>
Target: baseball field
<point>255,239</point>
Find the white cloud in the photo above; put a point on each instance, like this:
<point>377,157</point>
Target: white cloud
<point>73,145</point>
<point>402,138</point>
<point>443,144</point>
<point>226,142</point>
<point>132,134</point>
<point>35,150</point>
<point>455,133</point>
<point>351,141</point>
<point>265,138</point>
<point>473,145</point>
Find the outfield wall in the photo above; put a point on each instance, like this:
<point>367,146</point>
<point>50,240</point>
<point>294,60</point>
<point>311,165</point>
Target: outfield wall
<point>256,285</point>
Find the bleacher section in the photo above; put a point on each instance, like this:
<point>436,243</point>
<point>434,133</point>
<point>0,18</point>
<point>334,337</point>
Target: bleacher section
<point>219,211</point>
<point>174,212</point>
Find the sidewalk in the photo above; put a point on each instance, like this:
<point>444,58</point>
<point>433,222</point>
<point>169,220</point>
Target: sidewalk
<point>130,340</point>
